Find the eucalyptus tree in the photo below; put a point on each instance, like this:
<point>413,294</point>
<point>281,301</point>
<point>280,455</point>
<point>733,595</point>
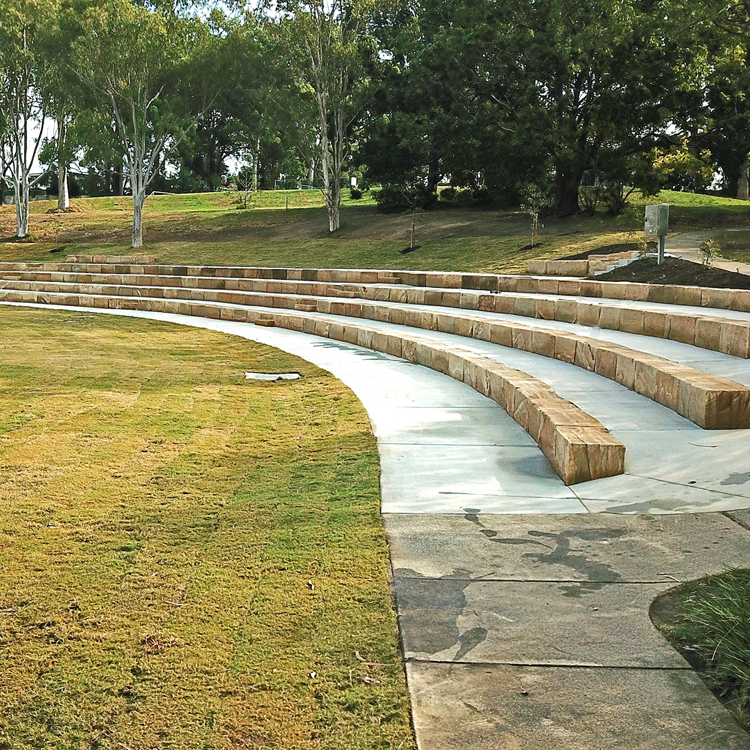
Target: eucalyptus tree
<point>138,63</point>
<point>24,104</point>
<point>329,45</point>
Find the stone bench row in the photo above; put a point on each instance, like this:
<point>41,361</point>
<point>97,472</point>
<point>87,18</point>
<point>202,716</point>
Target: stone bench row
<point>717,334</point>
<point>730,299</point>
<point>580,267</point>
<point>578,446</point>
<point>711,401</point>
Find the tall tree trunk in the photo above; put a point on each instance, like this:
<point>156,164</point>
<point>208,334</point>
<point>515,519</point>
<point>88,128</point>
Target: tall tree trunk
<point>22,196</point>
<point>256,160</point>
<point>139,197</point>
<point>311,173</point>
<point>63,196</point>
<point>743,189</point>
<point>567,181</point>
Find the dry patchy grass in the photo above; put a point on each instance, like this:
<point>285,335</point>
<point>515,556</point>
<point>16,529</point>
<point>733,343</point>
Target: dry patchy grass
<point>209,229</point>
<point>180,548</point>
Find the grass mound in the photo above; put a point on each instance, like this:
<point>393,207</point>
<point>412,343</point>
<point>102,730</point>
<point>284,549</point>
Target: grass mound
<point>187,559</point>
<point>707,621</point>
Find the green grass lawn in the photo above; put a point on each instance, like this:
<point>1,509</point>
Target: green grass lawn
<point>707,621</point>
<point>188,559</point>
<point>290,228</point>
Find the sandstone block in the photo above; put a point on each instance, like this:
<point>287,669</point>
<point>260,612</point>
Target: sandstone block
<point>545,309</point>
<point>715,298</point>
<point>451,299</point>
<point>646,369</point>
<point>546,286</point>
<point>501,334</point>
<point>739,299</point>
<point>537,267</point>
<point>364,337</point>
<point>543,342</point>
<point>409,349</point>
<point>522,338</point>
<point>446,322</point>
<point>486,302</point>
<point>591,313</point>
<point>464,327</point>
<point>522,284</point>
<point>735,338</point>
<point>584,356</point>
<point>708,333</point>
<point>456,364</point>
<point>605,361</point>
<point>425,354</point>
<point>415,296</point>
<point>566,310</point>
<point>468,301</point>
<point>631,320</point>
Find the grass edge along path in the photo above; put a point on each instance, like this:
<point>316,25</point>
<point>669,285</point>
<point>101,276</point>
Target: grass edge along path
<point>707,622</point>
<point>188,559</point>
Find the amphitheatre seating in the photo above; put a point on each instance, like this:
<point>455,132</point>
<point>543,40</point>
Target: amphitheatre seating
<point>706,332</point>
<point>577,445</point>
<point>711,401</point>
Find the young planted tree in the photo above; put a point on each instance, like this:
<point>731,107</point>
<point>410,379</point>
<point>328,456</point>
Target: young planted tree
<point>23,96</point>
<point>328,43</point>
<point>137,63</point>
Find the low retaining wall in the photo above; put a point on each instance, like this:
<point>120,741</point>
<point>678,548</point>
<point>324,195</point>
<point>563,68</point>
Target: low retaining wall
<point>580,267</point>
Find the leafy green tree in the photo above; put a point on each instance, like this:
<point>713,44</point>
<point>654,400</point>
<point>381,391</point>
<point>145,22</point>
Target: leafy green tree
<point>329,47</point>
<point>545,86</point>
<point>24,99</point>
<point>137,63</point>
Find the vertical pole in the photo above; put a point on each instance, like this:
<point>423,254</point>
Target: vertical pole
<point>662,245</point>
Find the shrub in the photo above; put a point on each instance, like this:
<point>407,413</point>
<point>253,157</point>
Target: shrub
<point>400,198</point>
<point>356,194</point>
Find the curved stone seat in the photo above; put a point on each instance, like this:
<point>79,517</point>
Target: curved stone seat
<point>729,299</point>
<point>578,446</point>
<point>711,401</point>
<point>717,334</point>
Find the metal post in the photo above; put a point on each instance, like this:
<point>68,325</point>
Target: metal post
<point>662,245</point>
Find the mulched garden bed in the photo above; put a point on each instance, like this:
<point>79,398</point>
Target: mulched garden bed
<point>677,271</point>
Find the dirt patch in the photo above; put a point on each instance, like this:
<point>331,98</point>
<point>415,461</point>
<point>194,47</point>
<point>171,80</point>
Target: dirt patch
<point>677,271</point>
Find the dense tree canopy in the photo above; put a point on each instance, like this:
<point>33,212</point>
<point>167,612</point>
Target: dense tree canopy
<point>493,97</point>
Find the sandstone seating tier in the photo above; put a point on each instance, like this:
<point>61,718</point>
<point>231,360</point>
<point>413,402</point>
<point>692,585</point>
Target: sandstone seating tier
<point>578,446</point>
<point>718,334</point>
<point>727,299</point>
<point>711,401</point>
<point>579,267</point>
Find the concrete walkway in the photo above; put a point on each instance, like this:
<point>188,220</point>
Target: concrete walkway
<point>687,245</point>
<point>523,608</point>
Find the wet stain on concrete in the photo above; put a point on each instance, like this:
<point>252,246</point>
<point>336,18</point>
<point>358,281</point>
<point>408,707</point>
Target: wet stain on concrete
<point>369,354</point>
<point>743,478</point>
<point>560,552</point>
<point>429,609</point>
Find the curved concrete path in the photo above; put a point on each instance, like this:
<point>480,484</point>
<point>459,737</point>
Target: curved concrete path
<point>523,614</point>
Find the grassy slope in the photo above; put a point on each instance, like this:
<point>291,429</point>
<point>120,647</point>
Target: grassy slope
<point>209,228</point>
<point>160,519</point>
